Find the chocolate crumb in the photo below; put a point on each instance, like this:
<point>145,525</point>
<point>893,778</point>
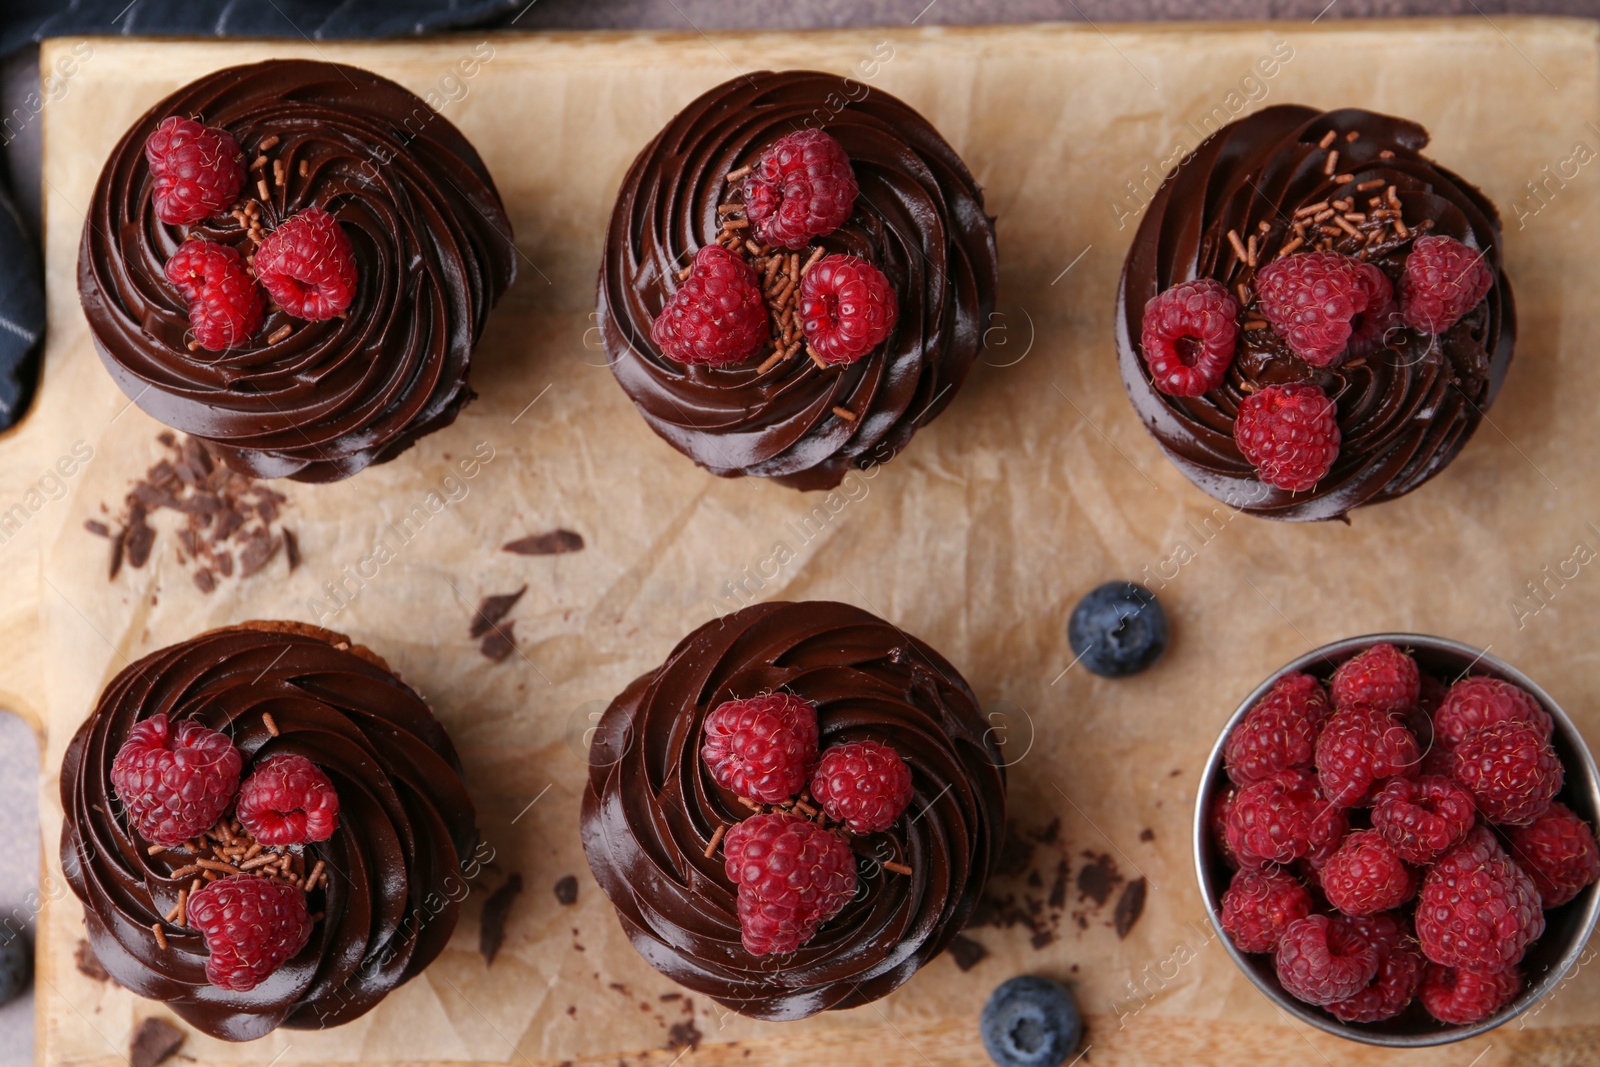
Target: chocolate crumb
<point>492,609</point>
<point>1147,834</point>
<point>1130,906</point>
<point>1058,888</point>
<point>1097,878</point>
<point>291,548</point>
<point>554,543</point>
<point>499,643</point>
<point>96,527</point>
<point>153,1041</point>
<point>684,1034</point>
<point>492,925</point>
<point>118,543</point>
<point>88,963</point>
<point>204,580</point>
<point>567,889</point>
<point>966,952</point>
<point>141,538</point>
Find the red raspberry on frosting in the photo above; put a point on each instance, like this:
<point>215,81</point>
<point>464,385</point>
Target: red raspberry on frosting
<point>1258,907</point>
<point>225,307</point>
<point>1477,909</point>
<point>1479,701</point>
<point>251,925</point>
<point>1382,678</point>
<point>1280,819</point>
<point>1366,876</point>
<point>288,800</point>
<point>1314,301</point>
<point>1400,969</point>
<point>762,747</point>
<point>1444,280</point>
<point>1462,997</point>
<point>847,308</point>
<point>1360,748</point>
<point>802,187</point>
<point>196,171</point>
<point>1188,336</point>
<point>174,780</point>
<point>718,316</point>
<point>1323,960</point>
<point>308,265</point>
<point>865,785</point>
<point>1559,853</point>
<point>1279,732</point>
<point>1289,433</point>
<point>792,875</point>
<point>1511,771</point>
<point>1422,817</point>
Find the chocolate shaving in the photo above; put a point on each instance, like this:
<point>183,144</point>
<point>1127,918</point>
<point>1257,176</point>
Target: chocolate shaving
<point>153,1041</point>
<point>88,963</point>
<point>141,538</point>
<point>204,580</point>
<point>99,529</point>
<point>291,548</point>
<point>567,889</point>
<point>966,952</point>
<point>118,543</point>
<point>498,643</point>
<point>259,548</point>
<point>1129,906</point>
<point>684,1034</point>
<point>492,925</point>
<point>492,609</point>
<point>554,543</point>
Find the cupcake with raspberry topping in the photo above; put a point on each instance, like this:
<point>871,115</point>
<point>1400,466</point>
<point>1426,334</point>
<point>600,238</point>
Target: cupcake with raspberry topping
<point>1313,314</point>
<point>256,820</point>
<point>809,737</point>
<point>294,261</point>
<point>795,279</point>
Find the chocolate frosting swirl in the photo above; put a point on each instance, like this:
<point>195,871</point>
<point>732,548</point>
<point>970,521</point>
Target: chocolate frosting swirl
<point>405,824</point>
<point>433,253</point>
<point>1405,411</point>
<point>651,808</point>
<point>918,217</point>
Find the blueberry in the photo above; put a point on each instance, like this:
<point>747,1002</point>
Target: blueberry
<point>16,965</point>
<point>1030,1022</point>
<point>1119,629</point>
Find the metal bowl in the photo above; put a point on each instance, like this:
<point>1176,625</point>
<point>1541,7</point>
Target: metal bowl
<point>1567,928</point>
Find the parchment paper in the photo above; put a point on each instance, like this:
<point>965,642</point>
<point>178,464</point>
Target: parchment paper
<point>1037,484</point>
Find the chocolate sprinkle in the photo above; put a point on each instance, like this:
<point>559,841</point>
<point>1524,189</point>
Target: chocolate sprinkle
<point>966,952</point>
<point>567,889</point>
<point>554,543</point>
<point>492,926</point>
<point>1130,906</point>
<point>153,1041</point>
<point>492,609</point>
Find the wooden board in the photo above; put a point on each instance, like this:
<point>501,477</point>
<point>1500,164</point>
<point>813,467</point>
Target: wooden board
<point>979,538</point>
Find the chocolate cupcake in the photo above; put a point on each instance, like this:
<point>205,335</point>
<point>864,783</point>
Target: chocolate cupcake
<point>797,275</point>
<point>813,730</point>
<point>294,260</point>
<point>266,828</point>
<point>1313,315</point>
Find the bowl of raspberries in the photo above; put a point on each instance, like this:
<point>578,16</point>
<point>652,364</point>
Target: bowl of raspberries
<point>1395,839</point>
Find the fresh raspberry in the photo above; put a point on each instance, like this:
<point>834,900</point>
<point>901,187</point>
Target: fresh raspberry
<point>1289,433</point>
<point>1422,817</point>
<point>1479,701</point>
<point>225,307</point>
<point>1400,968</point>
<point>1188,338</point>
<point>792,875</point>
<point>761,747</point>
<point>174,780</point>
<point>1259,905</point>
<point>1382,313</point>
<point>1477,909</point>
<point>1431,694</point>
<point>1217,823</point>
<point>1511,772</point>
<point>1559,853</point>
<point>717,316</point>
<point>1358,749</point>
<point>287,800</point>
<point>1324,960</point>
<point>197,170</point>
<point>865,785</point>
<point>1279,732</point>
<point>1366,876</point>
<point>1382,678</point>
<point>1314,301</point>
<point>802,187</point>
<point>1463,997</point>
<point>251,925</point>
<point>308,265</point>
<point>1444,280</point>
<point>847,308</point>
<point>1280,819</point>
